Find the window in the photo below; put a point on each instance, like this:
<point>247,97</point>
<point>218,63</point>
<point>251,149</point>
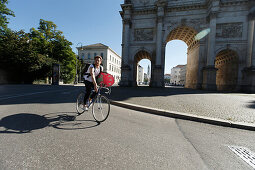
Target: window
<point>82,56</point>
<point>89,56</point>
<point>102,55</point>
<point>95,54</point>
<point>110,57</point>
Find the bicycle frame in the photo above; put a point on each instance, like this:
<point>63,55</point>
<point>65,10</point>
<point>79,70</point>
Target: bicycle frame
<point>100,104</point>
<point>98,93</point>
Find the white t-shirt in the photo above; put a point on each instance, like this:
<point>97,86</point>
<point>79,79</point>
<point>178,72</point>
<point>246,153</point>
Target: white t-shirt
<point>96,72</point>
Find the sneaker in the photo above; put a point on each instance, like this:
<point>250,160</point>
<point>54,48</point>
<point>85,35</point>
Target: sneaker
<point>85,108</point>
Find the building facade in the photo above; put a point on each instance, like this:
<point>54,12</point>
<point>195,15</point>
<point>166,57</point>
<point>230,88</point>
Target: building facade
<point>140,75</point>
<point>148,73</point>
<point>167,78</point>
<point>223,59</point>
<point>178,75</point>
<point>183,75</point>
<point>111,60</point>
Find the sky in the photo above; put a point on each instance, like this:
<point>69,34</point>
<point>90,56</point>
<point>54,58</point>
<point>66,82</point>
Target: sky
<point>85,22</point>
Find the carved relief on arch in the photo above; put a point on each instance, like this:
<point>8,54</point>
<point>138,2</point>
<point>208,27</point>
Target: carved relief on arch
<point>198,23</point>
<point>171,24</point>
<point>143,34</point>
<point>229,30</point>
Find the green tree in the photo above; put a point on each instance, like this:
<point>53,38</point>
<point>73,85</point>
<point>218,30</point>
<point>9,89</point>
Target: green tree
<point>50,41</point>
<point>20,59</point>
<point>26,57</point>
<point>167,80</point>
<point>4,12</point>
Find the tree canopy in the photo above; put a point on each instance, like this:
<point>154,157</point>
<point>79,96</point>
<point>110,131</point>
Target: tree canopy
<point>4,12</point>
<point>26,57</point>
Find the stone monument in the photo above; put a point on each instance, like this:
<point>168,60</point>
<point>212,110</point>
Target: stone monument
<point>222,60</point>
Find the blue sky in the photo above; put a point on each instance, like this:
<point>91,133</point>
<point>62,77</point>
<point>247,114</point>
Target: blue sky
<point>85,21</point>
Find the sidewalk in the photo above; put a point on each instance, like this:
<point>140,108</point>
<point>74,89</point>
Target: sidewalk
<point>226,109</point>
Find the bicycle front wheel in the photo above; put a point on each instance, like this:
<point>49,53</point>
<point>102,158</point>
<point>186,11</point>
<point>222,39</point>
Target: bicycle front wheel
<point>80,103</point>
<point>101,108</point>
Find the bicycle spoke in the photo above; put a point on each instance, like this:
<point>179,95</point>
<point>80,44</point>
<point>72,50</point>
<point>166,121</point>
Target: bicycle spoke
<point>79,103</point>
<point>101,108</point>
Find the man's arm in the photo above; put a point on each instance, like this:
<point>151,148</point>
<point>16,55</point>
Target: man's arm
<point>91,70</point>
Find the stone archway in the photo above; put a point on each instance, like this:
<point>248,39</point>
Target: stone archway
<point>142,54</point>
<point>184,33</point>
<point>227,74</point>
<point>187,34</point>
<point>150,24</point>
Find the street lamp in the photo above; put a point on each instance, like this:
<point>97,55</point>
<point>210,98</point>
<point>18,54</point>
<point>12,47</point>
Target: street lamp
<point>76,75</point>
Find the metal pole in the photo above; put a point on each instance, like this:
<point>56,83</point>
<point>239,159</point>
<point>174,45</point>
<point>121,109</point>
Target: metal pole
<point>75,79</point>
<point>80,74</point>
<point>76,58</point>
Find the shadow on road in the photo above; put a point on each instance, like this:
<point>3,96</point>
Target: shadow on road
<point>26,122</point>
<point>251,105</point>
<point>124,93</point>
<point>68,121</point>
<point>24,94</point>
<point>46,94</point>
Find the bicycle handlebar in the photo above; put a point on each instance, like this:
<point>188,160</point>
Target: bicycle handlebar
<point>107,88</point>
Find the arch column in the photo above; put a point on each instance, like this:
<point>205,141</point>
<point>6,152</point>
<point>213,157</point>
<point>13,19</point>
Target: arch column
<point>209,72</point>
<point>251,44</point>
<point>249,72</point>
<point>126,69</point>
<point>157,79</point>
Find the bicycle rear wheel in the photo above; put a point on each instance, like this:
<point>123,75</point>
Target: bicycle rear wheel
<point>101,108</point>
<point>79,103</point>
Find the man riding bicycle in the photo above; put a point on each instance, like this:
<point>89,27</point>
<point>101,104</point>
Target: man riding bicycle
<point>90,79</point>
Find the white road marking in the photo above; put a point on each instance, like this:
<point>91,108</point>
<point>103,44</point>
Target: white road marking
<point>246,155</point>
<point>27,94</point>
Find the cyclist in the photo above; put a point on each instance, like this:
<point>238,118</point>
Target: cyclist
<point>90,79</point>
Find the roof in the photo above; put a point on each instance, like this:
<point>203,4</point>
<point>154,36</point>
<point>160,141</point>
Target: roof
<point>180,66</point>
<point>96,46</point>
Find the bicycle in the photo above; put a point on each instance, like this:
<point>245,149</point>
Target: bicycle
<point>100,104</point>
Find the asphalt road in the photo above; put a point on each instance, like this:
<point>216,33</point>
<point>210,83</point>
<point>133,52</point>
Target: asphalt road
<point>37,131</point>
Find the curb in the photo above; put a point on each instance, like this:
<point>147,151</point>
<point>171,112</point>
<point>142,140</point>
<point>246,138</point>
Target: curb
<point>185,116</point>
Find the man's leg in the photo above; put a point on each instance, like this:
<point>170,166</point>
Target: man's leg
<point>88,91</point>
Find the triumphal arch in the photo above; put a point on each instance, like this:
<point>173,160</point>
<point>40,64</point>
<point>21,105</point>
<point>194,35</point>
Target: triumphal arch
<point>222,60</point>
